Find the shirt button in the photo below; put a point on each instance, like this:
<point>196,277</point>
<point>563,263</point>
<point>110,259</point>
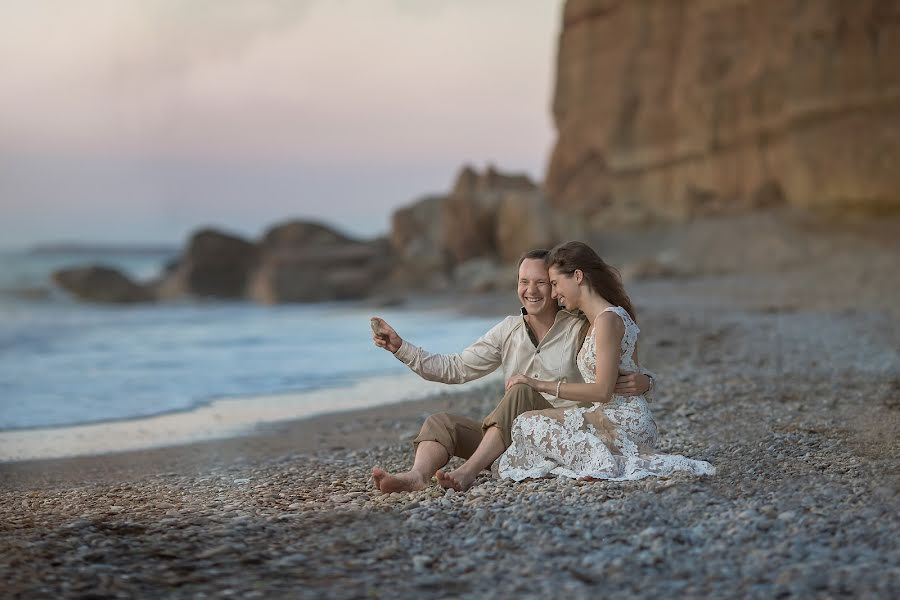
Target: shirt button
<point>538,351</point>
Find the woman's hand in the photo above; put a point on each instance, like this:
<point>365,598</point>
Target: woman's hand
<point>516,379</point>
<point>384,335</point>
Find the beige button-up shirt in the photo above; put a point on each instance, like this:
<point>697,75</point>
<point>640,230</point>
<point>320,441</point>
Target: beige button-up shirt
<point>507,345</point>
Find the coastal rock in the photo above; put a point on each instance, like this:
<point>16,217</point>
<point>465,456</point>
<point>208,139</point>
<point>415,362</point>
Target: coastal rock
<point>470,212</point>
<point>423,261</point>
<point>491,216</point>
<point>667,110</point>
<point>215,265</point>
<point>524,222</point>
<point>655,267</point>
<point>483,275</point>
<point>101,284</point>
<point>297,235</point>
<point>309,262</point>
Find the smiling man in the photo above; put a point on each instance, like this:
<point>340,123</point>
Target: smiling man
<point>542,342</point>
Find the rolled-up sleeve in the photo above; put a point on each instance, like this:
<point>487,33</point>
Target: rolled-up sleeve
<point>481,358</point>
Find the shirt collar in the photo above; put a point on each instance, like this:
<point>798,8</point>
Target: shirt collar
<point>573,313</point>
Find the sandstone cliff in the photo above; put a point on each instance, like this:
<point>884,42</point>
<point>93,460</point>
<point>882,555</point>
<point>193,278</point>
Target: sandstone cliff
<point>674,108</point>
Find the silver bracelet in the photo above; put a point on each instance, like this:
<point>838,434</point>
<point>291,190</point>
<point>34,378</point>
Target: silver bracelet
<point>558,383</point>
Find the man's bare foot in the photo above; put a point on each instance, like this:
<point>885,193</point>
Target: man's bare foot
<point>401,482</point>
<point>457,479</point>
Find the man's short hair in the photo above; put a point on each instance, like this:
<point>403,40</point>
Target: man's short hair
<point>539,254</point>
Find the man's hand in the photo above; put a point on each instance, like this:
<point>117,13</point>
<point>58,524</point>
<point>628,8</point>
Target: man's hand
<point>515,379</point>
<point>632,384</point>
<point>384,335</point>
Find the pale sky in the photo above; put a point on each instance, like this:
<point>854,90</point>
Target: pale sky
<point>140,120</point>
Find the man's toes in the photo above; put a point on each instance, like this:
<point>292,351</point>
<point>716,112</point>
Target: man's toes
<point>444,479</point>
<point>454,482</point>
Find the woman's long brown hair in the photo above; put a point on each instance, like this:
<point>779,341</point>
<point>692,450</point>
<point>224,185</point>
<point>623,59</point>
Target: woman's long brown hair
<point>604,279</point>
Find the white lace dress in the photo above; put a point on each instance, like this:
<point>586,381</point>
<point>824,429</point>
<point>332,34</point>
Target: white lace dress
<point>613,440</point>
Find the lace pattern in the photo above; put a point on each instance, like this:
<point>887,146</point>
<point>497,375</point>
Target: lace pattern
<point>615,440</point>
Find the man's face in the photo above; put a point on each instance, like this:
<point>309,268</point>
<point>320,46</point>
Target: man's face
<point>534,287</point>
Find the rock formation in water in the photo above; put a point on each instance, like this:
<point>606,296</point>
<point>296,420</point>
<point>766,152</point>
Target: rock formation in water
<point>101,284</point>
<point>673,108</point>
<point>309,262</point>
<point>214,265</point>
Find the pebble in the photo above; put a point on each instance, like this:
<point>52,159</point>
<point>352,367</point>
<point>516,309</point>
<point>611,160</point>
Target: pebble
<point>421,562</point>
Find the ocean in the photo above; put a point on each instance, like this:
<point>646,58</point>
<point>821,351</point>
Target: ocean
<point>66,363</point>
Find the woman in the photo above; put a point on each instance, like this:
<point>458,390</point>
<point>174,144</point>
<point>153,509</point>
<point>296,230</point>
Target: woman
<point>607,436</point>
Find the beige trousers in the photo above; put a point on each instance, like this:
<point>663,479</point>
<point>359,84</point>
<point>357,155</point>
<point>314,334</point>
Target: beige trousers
<point>460,436</point>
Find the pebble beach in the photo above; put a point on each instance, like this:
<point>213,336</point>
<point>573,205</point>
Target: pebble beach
<point>797,409</point>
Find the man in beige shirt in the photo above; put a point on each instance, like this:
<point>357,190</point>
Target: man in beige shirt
<point>543,343</point>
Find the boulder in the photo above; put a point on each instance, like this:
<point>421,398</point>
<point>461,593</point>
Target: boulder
<point>295,235</point>
<point>423,262</point>
<point>309,262</point>
<point>524,222</point>
<point>469,216</point>
<point>214,265</point>
<point>101,284</point>
<point>669,110</point>
<point>480,275</point>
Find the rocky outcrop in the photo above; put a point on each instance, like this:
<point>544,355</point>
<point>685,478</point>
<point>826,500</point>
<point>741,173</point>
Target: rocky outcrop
<point>669,109</point>
<point>296,261</point>
<point>309,262</point>
<point>480,275</point>
<point>101,284</point>
<point>423,260</point>
<point>524,222</point>
<point>470,211</point>
<point>488,218</point>
<point>300,235</point>
<point>214,265</point>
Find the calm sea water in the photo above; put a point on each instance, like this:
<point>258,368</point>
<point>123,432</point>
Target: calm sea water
<point>65,363</point>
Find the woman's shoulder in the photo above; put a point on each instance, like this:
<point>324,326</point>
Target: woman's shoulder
<point>609,322</point>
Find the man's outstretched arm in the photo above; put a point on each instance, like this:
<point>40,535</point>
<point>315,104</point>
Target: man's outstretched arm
<point>479,359</point>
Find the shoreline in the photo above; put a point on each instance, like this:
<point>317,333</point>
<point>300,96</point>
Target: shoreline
<point>219,419</point>
<point>354,429</point>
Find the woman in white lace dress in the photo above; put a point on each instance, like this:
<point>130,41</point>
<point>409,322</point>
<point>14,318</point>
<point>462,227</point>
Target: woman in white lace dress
<point>607,436</point>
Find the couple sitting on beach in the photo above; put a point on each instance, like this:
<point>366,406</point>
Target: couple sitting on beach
<point>575,392</point>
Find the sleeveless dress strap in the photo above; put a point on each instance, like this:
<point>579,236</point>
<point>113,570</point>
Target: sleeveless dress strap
<point>629,340</point>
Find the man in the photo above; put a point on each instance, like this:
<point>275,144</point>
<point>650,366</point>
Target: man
<point>543,343</point>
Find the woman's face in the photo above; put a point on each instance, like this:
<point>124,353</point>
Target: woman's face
<point>565,289</point>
